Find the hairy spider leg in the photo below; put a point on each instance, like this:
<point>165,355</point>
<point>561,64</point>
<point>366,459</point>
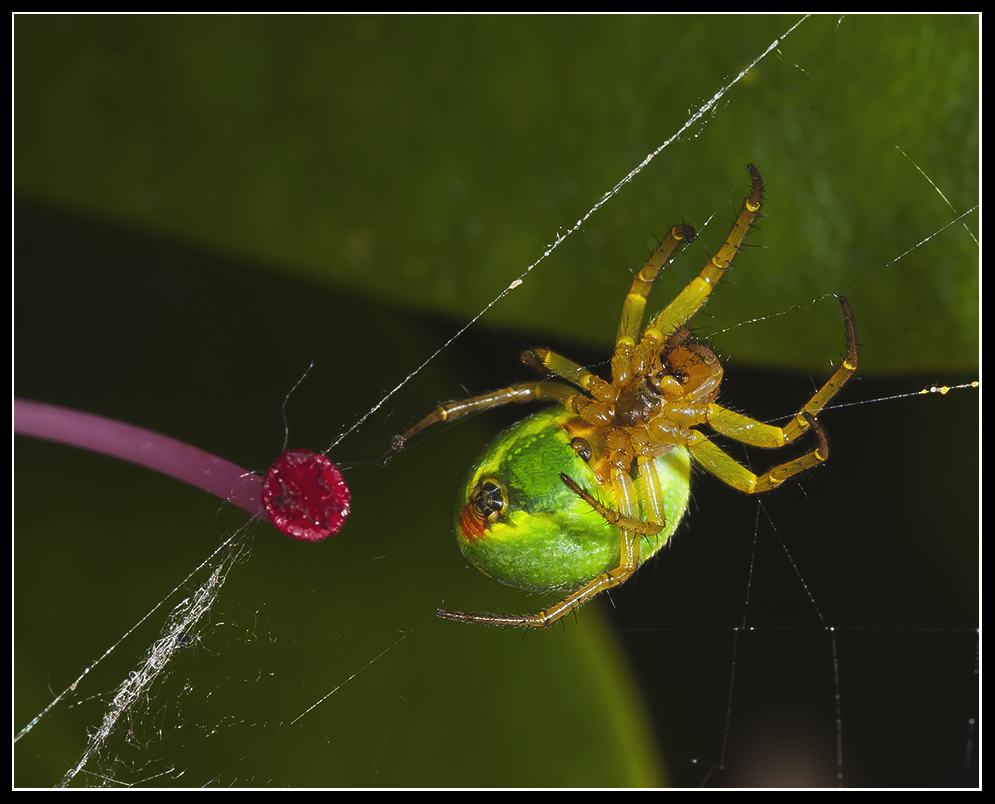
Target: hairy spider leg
<point>689,301</point>
<point>757,434</point>
<point>542,390</point>
<point>634,306</point>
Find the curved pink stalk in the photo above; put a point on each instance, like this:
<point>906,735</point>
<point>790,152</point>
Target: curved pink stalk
<point>143,447</point>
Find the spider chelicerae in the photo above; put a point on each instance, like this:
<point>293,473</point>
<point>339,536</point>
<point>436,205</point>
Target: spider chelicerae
<point>574,498</point>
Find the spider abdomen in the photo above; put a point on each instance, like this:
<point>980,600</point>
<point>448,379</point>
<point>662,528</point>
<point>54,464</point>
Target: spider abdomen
<point>519,524</point>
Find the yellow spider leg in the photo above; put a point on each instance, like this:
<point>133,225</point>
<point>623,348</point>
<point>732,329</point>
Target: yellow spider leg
<point>689,301</point>
<point>749,431</point>
<point>846,370</point>
<point>631,530</point>
<point>757,434</point>
<point>596,408</point>
<point>739,477</point>
<point>546,617</point>
<point>634,307</point>
<point>653,489</point>
<point>518,394</point>
<point>546,360</point>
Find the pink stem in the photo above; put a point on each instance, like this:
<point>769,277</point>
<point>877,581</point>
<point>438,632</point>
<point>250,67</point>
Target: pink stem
<point>137,445</point>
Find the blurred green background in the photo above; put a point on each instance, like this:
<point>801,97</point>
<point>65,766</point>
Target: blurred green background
<point>204,205</point>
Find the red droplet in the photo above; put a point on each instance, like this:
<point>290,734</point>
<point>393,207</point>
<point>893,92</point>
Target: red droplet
<point>305,496</point>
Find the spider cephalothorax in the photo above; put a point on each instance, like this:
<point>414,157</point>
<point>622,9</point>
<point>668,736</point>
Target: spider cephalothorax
<point>574,498</point>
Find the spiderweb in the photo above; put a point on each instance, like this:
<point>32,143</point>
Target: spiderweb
<point>331,670</point>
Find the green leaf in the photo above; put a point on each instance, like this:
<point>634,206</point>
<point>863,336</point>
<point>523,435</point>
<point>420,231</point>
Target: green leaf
<point>429,160</point>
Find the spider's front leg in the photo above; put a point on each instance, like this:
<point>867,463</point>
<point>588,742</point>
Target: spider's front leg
<point>451,411</point>
<point>689,301</point>
<point>548,390</point>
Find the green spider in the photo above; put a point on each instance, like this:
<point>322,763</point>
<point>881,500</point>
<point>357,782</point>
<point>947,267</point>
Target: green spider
<point>574,498</point>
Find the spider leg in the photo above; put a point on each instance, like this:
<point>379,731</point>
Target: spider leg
<point>750,431</point>
<point>758,434</point>
<point>689,301</point>
<point>548,616</point>
<point>612,517</point>
<point>634,306</point>
<point>543,390</point>
<point>734,474</point>
<point>595,405</point>
<point>549,390</point>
